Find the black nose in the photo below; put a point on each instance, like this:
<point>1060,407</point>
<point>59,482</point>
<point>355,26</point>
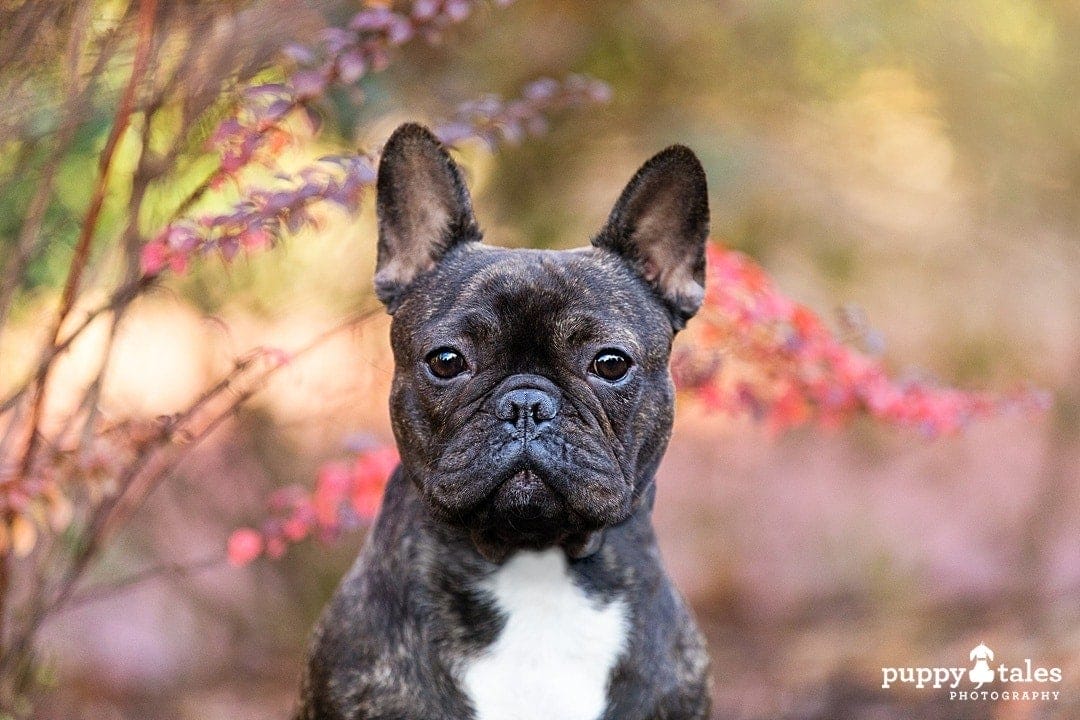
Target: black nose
<point>526,402</point>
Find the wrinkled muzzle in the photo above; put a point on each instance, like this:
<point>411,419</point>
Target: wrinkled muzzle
<point>532,466</point>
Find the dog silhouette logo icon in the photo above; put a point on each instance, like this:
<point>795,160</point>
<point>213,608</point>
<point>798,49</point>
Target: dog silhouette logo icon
<point>981,673</point>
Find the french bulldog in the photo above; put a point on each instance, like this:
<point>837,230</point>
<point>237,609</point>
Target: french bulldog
<point>513,572</point>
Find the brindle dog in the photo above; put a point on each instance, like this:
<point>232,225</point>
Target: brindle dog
<point>513,572</point>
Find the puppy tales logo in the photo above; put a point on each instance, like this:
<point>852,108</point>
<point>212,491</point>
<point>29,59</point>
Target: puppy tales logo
<point>1016,682</point>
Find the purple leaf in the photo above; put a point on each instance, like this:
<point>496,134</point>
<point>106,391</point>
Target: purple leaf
<point>457,10</point>
<point>351,66</point>
<point>452,132</point>
<point>541,89</point>
<point>228,245</point>
<point>336,39</point>
<point>226,131</point>
<point>313,118</point>
<point>489,105</point>
<point>400,31</point>
<point>425,9</point>
<point>277,109</point>
<point>362,171</point>
<point>370,20</point>
<point>296,220</point>
<point>300,54</point>
<point>308,83</point>
<point>181,238</point>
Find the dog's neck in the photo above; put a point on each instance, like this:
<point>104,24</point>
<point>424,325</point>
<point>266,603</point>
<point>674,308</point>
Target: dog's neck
<point>422,587</point>
<point>448,547</point>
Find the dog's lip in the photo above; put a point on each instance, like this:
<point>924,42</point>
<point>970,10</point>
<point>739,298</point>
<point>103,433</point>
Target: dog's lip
<point>527,472</point>
<point>523,471</point>
<point>522,466</point>
<point>525,475</point>
<point>524,488</point>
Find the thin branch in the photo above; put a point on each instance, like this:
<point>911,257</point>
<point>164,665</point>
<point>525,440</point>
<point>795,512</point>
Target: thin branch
<point>29,239</point>
<point>134,486</point>
<point>132,241</point>
<point>120,298</point>
<point>130,500</point>
<point>140,63</point>
<point>125,502</point>
<point>147,12</point>
<point>106,591</point>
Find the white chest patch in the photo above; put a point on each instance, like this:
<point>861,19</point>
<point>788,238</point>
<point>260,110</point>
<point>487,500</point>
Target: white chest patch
<point>554,657</point>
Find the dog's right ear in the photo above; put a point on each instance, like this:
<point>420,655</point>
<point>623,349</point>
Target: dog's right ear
<point>423,209</point>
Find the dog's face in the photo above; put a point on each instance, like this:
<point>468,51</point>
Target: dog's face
<point>531,399</point>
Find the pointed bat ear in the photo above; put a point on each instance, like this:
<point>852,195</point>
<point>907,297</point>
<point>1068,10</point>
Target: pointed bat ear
<point>423,208</point>
<point>659,225</point>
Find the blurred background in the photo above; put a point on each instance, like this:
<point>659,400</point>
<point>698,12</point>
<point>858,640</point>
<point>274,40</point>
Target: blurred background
<point>919,161</point>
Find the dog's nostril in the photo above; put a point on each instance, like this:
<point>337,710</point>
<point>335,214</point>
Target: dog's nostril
<point>526,402</point>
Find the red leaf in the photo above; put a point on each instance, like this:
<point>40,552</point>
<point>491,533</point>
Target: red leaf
<point>245,545</point>
<point>255,239</point>
<point>153,258</point>
<point>370,474</point>
<point>331,487</point>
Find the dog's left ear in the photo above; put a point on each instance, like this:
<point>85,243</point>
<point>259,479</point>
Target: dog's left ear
<point>659,225</point>
<point>423,208</point>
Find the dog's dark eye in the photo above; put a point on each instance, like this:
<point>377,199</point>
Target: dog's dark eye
<point>446,363</point>
<point>610,365</point>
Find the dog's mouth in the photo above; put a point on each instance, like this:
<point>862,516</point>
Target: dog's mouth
<point>530,495</point>
<point>524,511</point>
<point>527,498</point>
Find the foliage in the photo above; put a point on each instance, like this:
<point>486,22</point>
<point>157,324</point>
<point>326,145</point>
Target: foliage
<point>67,484</point>
<point>346,496</point>
<point>69,481</point>
<point>795,369</point>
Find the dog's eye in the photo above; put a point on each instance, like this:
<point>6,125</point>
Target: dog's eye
<point>446,363</point>
<point>610,365</point>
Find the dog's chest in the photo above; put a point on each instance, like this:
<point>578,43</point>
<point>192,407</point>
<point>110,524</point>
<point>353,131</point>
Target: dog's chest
<point>554,656</point>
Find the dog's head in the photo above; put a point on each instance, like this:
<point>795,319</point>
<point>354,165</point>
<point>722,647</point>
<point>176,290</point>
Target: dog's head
<point>531,399</point>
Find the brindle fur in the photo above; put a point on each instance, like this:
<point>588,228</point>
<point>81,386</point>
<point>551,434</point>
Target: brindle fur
<point>408,613</point>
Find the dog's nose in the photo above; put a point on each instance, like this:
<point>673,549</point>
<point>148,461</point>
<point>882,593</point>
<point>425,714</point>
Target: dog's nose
<point>526,402</point>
